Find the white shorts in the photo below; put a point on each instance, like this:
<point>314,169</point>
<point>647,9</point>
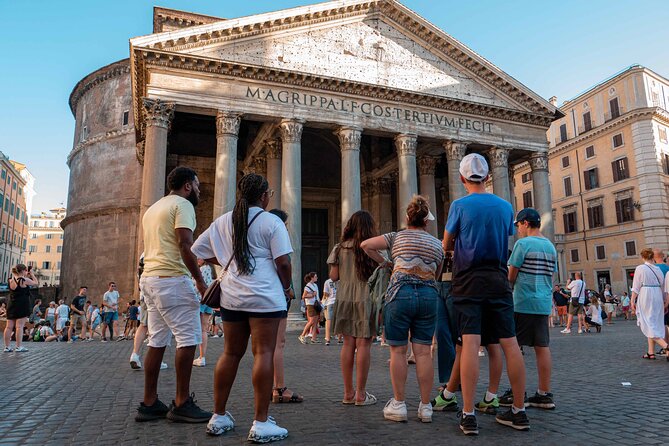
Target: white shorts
<point>173,308</point>
<point>61,323</point>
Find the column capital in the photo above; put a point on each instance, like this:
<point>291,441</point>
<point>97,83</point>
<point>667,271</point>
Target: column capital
<point>273,148</point>
<point>539,161</point>
<point>499,156</point>
<point>291,130</point>
<point>157,113</point>
<point>406,144</point>
<point>257,165</point>
<point>227,123</point>
<point>426,165</point>
<point>455,150</point>
<point>349,138</point>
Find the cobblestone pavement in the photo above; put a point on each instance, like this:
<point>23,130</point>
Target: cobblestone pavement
<point>85,393</point>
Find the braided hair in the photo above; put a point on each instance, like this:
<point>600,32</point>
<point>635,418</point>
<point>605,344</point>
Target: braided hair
<point>251,187</point>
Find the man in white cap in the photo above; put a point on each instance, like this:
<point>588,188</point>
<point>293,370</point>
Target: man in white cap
<point>478,230</point>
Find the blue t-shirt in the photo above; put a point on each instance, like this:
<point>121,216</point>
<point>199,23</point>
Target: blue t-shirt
<point>481,225</point>
<point>536,259</point>
<point>663,267</point>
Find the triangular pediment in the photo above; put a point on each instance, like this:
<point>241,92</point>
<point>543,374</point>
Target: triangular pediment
<point>375,42</point>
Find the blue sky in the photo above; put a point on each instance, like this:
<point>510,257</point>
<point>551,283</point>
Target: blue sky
<point>555,48</point>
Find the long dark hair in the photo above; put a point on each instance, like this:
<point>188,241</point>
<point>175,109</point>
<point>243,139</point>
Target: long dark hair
<point>250,189</point>
<point>359,228</point>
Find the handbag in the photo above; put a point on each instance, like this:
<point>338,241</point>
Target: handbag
<point>318,306</point>
<point>212,297</point>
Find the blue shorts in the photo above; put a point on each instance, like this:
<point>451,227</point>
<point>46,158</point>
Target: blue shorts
<point>111,316</point>
<point>413,312</point>
<point>206,309</point>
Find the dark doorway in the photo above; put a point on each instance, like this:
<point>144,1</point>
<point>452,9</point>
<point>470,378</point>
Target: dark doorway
<point>315,249</point>
<point>603,279</point>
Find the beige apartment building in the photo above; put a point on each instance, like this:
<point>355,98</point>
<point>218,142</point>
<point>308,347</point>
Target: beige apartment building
<point>609,174</point>
<point>45,246</point>
<point>16,185</point>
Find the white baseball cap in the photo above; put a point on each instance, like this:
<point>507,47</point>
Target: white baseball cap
<point>474,167</point>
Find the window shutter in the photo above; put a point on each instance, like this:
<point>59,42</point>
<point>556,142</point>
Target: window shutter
<point>586,178</point>
<point>625,168</point>
<point>614,167</point>
<point>565,220</point>
<point>595,177</point>
<point>590,218</point>
<point>619,211</point>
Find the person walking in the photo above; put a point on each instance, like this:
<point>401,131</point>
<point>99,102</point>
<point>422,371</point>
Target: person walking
<point>478,229</point>
<point>110,311</point>
<point>254,247</point>
<point>354,308</point>
<point>329,299</point>
<point>561,301</point>
<point>625,304</point>
<point>78,314</point>
<point>205,314</point>
<point>649,301</point>
<point>610,304</point>
<point>62,316</point>
<point>18,305</point>
<point>172,302</point>
<point>531,266</point>
<point>310,297</point>
<point>576,303</point>
<point>410,309</point>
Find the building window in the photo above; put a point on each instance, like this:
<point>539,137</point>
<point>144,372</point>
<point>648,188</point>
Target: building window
<point>665,163</point>
<point>569,219</point>
<point>32,263</point>
<point>630,248</point>
<point>591,178</point>
<point>624,210</point>
<point>59,249</point>
<point>32,248</point>
<point>58,265</point>
<point>61,236</point>
<point>595,214</point>
<point>600,252</point>
<point>621,169</point>
<point>526,177</point>
<point>663,134</point>
<point>589,152</point>
<point>567,187</point>
<point>614,108</point>
<point>587,122</point>
<point>84,134</point>
<point>617,140</point>
<point>126,117</point>
<point>47,248</point>
<point>565,161</point>
<point>14,185</point>
<point>33,235</point>
<point>49,236</point>
<point>527,199</point>
<point>46,265</point>
<point>4,174</point>
<point>563,132</point>
<point>574,256</point>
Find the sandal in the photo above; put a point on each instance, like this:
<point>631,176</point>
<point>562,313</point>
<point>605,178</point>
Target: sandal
<point>369,400</point>
<point>294,398</point>
<point>350,402</point>
<point>649,356</point>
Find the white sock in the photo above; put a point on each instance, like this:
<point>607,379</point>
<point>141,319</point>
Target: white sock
<point>446,394</point>
<point>216,416</point>
<point>515,410</point>
<point>467,413</point>
<point>541,392</point>
<point>490,396</point>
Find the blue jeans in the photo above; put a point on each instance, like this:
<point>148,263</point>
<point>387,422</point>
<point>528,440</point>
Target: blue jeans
<point>445,333</point>
<point>413,312</point>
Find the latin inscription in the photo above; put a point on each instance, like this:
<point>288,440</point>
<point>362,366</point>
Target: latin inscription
<point>366,108</point>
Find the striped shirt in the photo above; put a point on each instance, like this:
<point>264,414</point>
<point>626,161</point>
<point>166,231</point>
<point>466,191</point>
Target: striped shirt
<point>535,258</point>
<point>416,255</point>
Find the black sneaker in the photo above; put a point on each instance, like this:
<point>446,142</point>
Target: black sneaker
<point>506,400</point>
<point>149,413</point>
<point>542,401</point>
<point>188,412</point>
<point>468,424</point>
<point>518,421</point>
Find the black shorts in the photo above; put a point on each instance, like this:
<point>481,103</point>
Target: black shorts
<point>489,317</point>
<point>532,329</point>
<point>666,318</point>
<point>241,316</point>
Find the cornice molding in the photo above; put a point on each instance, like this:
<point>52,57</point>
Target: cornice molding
<point>96,78</point>
<point>178,19</point>
<point>96,139</point>
<point>102,212</point>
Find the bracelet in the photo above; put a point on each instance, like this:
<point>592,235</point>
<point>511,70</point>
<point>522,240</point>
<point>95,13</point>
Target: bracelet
<point>285,290</point>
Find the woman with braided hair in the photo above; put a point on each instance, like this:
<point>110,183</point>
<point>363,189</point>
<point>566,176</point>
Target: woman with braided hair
<point>253,247</point>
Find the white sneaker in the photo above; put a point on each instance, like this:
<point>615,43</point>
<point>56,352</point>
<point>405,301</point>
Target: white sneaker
<point>215,336</point>
<point>266,431</point>
<point>8,350</point>
<point>220,424</point>
<point>425,412</point>
<point>481,353</point>
<point>163,365</point>
<point>199,362</point>
<point>21,349</point>
<point>580,331</point>
<point>395,410</point>
<point>566,331</point>
<point>135,363</point>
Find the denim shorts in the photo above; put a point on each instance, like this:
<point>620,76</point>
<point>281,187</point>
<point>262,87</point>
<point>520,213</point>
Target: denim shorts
<point>413,312</point>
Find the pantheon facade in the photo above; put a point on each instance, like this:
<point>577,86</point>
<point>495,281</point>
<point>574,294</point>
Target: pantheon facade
<point>344,105</point>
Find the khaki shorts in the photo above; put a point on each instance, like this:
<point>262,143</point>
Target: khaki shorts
<point>576,309</point>
<point>311,312</point>
<point>74,318</point>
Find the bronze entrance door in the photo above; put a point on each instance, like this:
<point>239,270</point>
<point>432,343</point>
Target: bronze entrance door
<point>315,249</point>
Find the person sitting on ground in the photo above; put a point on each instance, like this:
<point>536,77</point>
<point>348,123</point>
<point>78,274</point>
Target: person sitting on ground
<point>594,315</point>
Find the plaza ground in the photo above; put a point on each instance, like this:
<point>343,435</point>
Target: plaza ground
<point>86,393</point>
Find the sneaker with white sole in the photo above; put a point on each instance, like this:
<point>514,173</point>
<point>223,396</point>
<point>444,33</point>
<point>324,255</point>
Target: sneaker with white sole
<point>199,362</point>
<point>220,424</point>
<point>566,331</point>
<point>264,432</point>
<point>395,410</point>
<point>135,362</point>
<point>21,349</point>
<point>8,350</point>
<point>302,339</point>
<point>580,331</point>
<point>163,365</point>
<point>425,412</point>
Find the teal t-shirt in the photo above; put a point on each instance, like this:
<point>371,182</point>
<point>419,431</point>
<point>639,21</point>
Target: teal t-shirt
<point>536,259</point>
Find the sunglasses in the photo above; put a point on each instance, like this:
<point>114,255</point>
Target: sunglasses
<point>270,193</point>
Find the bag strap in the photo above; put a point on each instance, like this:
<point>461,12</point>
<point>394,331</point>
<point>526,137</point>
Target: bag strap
<point>659,282</point>
<point>250,223</point>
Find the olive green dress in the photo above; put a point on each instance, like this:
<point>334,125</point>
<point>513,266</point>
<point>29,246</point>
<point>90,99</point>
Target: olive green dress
<point>354,309</point>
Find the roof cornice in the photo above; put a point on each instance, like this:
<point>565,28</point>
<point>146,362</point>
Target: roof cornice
<point>95,78</point>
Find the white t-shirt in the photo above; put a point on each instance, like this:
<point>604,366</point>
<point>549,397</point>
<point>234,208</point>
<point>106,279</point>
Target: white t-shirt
<point>329,288</point>
<point>46,331</point>
<point>51,312</point>
<point>111,298</point>
<point>311,288</point>
<point>63,311</point>
<point>260,291</point>
<point>595,313</point>
<point>95,314</point>
<point>577,288</point>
